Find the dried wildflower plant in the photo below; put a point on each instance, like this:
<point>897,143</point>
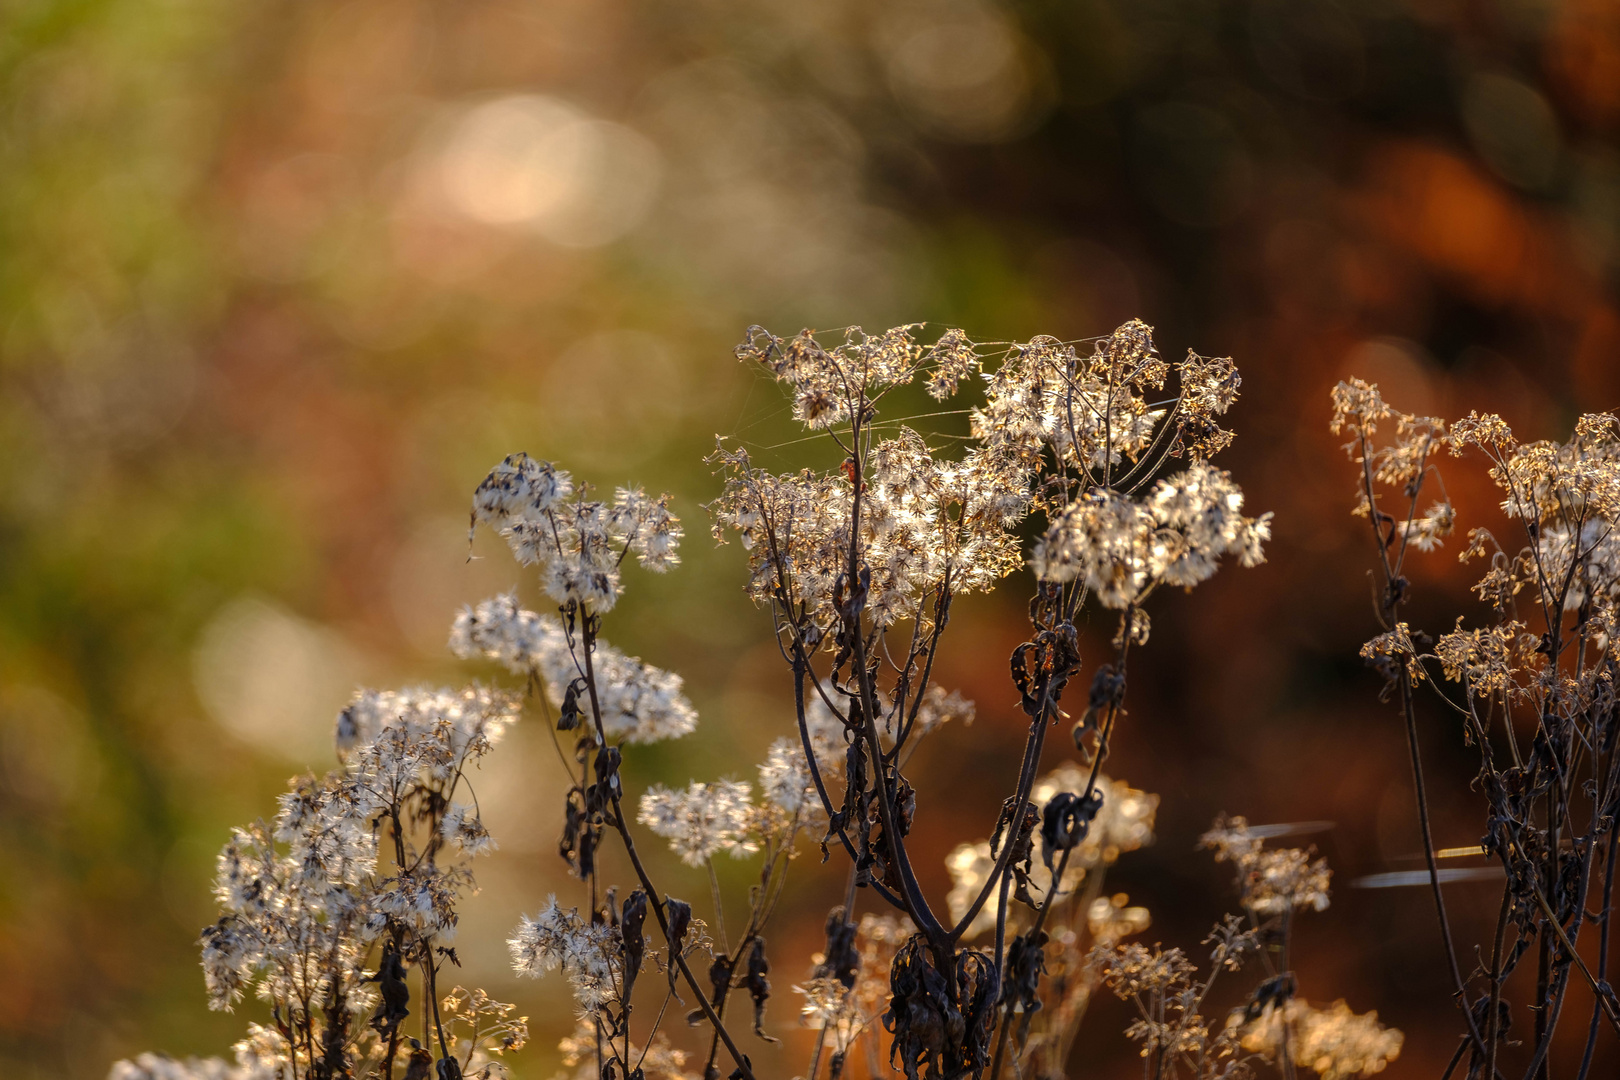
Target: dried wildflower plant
<point>1274,1024</point>
<point>859,567</point>
<point>340,915</point>
<point>1532,684</point>
<point>350,892</point>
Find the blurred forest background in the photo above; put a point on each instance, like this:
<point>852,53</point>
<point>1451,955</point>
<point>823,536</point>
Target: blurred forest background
<point>279,282</point>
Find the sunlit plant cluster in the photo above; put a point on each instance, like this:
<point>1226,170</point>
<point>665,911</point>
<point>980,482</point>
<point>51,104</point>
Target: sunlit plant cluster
<point>340,914</point>
<point>1531,681</point>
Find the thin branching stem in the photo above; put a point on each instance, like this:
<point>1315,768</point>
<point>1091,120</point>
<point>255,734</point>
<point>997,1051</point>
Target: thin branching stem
<point>654,897</point>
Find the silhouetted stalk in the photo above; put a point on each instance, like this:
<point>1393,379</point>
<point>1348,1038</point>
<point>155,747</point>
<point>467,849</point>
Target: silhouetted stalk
<point>653,896</point>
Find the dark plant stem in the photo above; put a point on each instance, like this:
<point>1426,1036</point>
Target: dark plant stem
<point>1034,933</point>
<point>1544,953</point>
<point>433,1001</point>
<point>1409,713</point>
<point>1603,950</point>
<point>1451,1066</point>
<point>656,903</point>
<point>1493,1034</point>
<point>1389,610</point>
<point>801,667</point>
<point>1026,780</point>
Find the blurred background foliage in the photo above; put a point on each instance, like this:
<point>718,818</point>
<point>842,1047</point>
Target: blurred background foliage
<point>279,281</point>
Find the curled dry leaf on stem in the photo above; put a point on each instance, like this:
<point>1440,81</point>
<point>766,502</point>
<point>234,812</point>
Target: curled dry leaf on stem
<point>1122,822</point>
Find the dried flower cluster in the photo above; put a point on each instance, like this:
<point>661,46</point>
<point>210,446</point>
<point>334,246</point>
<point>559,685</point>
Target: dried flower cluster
<point>1334,1042</point>
<point>639,703</point>
<point>361,869</point>
<point>577,542</point>
<point>1175,1037</point>
<point>860,565</point>
<point>1275,1024</point>
<point>589,953</point>
<point>658,1060</point>
<point>1275,881</point>
<point>1536,696</point>
<point>1124,548</point>
<point>341,913</point>
<point>703,820</point>
<point>482,1026</point>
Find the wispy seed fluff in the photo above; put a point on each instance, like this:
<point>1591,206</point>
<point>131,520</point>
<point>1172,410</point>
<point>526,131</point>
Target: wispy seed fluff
<point>589,953</point>
<point>703,820</point>
<point>1123,547</point>
<point>464,828</point>
<point>784,778</point>
<point>577,543</point>
<point>640,703</point>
